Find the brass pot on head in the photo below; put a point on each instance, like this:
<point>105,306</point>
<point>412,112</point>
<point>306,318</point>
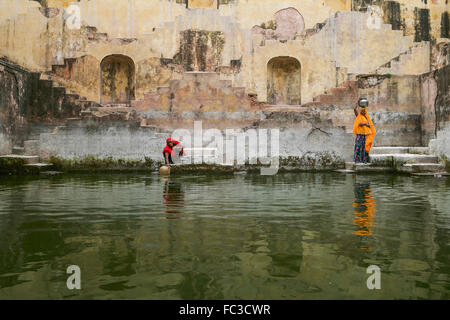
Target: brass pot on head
<point>363,102</point>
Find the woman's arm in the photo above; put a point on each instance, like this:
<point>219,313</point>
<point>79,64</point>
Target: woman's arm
<point>179,146</point>
<point>354,109</point>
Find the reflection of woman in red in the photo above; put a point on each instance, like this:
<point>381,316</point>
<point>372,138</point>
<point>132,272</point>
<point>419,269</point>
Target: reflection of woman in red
<point>174,199</point>
<point>364,211</point>
<point>168,151</point>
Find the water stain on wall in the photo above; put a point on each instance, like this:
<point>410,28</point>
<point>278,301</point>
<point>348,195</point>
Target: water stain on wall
<point>445,25</point>
<point>284,81</point>
<point>200,50</point>
<point>422,25</point>
<point>361,5</point>
<point>117,79</point>
<point>393,14</point>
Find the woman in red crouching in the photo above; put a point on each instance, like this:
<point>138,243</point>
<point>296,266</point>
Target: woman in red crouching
<point>168,151</point>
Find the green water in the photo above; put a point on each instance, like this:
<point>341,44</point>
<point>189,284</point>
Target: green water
<point>289,236</point>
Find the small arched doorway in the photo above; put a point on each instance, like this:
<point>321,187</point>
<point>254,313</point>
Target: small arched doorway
<point>117,79</point>
<point>284,81</point>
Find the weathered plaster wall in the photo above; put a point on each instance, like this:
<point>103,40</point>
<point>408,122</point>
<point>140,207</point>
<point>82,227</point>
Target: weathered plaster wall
<point>442,77</point>
<point>441,92</point>
<point>196,93</point>
<point>164,39</point>
<point>429,91</point>
<point>151,73</point>
<point>348,42</point>
<point>436,111</point>
<point>118,80</point>
<point>302,142</point>
<point>441,145</point>
<point>202,4</point>
<point>420,18</point>
<point>315,77</point>
<point>394,106</point>
<point>210,40</point>
<point>15,85</point>
<point>200,50</point>
<point>440,55</point>
<point>81,75</point>
<point>284,81</point>
<point>5,143</point>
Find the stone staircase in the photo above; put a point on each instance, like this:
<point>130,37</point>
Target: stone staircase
<point>414,160</point>
<point>196,92</point>
<point>344,95</point>
<point>25,157</point>
<point>414,61</point>
<point>408,57</point>
<point>54,101</point>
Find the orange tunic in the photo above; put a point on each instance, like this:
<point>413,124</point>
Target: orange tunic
<point>368,132</point>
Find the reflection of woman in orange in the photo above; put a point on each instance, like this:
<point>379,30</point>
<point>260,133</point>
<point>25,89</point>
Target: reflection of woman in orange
<point>174,199</point>
<point>364,211</point>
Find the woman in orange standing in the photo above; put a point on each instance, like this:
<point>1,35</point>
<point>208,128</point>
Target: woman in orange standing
<point>365,131</point>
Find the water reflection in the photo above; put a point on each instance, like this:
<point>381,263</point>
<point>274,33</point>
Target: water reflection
<point>364,209</point>
<point>173,198</point>
<point>290,236</point>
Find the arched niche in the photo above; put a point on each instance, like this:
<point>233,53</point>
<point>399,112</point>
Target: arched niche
<point>284,81</point>
<point>117,79</point>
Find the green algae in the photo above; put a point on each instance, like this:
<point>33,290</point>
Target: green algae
<point>446,162</point>
<point>16,166</point>
<point>95,164</point>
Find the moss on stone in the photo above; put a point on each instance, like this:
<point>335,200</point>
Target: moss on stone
<point>16,166</point>
<point>446,162</point>
<point>94,164</point>
<point>202,167</point>
<point>313,161</point>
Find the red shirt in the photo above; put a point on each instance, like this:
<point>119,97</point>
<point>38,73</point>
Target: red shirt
<point>168,149</point>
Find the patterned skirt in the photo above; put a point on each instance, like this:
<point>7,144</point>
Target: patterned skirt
<point>360,154</point>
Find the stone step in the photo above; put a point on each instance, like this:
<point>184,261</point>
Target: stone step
<point>47,83</point>
<point>39,165</point>
<point>349,166</point>
<point>59,90</point>
<point>422,167</point>
<point>18,150</point>
<point>388,150</point>
<point>419,150</point>
<point>372,169</point>
<point>31,146</point>
<point>38,168</point>
<point>435,174</point>
<point>345,171</point>
<point>399,150</point>
<point>403,158</point>
<point>26,159</point>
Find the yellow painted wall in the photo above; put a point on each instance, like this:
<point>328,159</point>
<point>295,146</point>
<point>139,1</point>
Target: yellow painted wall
<point>152,30</point>
<point>203,4</point>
